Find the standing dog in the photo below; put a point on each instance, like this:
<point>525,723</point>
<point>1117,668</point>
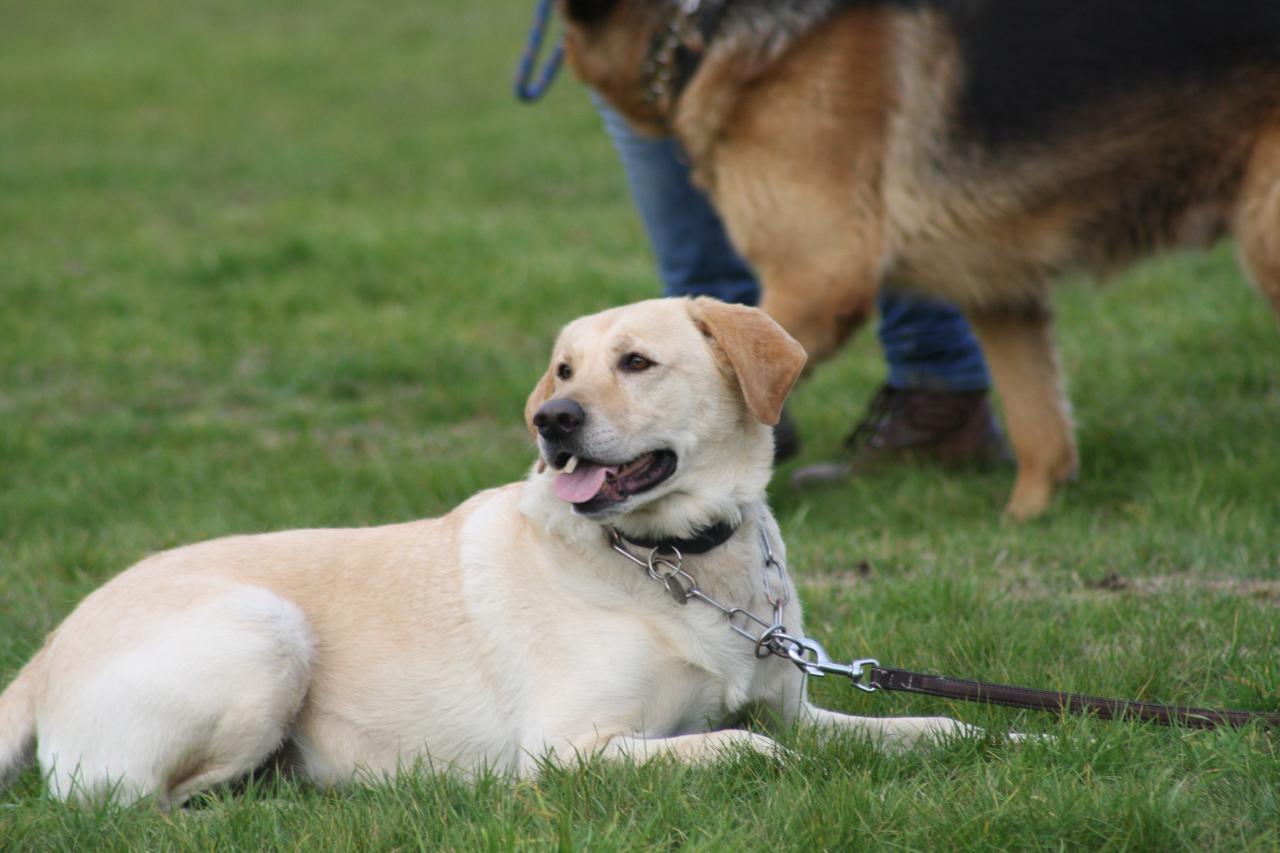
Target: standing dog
<point>971,148</point>
<point>488,637</point>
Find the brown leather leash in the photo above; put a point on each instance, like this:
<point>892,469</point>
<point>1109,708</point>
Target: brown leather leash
<point>665,564</point>
<point>900,680</point>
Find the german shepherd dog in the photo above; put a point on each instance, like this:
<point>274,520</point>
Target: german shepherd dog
<point>969,149</point>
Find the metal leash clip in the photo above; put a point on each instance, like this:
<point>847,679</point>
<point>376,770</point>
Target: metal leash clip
<point>821,663</point>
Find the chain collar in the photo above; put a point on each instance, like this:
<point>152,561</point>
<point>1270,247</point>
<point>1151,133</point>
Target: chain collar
<point>677,50</point>
<point>665,564</point>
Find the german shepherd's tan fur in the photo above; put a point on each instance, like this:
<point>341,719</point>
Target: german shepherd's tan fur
<point>871,127</point>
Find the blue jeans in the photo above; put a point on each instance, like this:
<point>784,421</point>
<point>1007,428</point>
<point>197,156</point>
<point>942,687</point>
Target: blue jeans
<point>927,344</point>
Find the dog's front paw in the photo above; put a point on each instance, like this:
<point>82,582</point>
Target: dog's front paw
<point>726,742</point>
<point>697,748</point>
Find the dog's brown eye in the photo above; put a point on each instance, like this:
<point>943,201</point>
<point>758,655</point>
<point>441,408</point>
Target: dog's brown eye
<point>564,371</point>
<point>634,362</point>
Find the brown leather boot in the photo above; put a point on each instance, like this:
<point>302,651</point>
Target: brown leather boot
<point>941,427</point>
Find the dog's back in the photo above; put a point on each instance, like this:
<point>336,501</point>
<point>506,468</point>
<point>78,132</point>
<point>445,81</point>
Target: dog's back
<point>1030,65</point>
<point>1033,64</point>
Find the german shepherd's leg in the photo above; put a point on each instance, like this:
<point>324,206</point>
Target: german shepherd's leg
<point>1258,218</point>
<point>1018,345</point>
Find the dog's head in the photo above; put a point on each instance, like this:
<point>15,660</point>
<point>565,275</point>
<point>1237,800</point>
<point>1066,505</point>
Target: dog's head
<point>656,416</point>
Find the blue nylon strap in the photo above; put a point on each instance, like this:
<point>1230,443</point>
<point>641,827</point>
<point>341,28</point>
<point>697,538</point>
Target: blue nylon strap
<point>527,88</point>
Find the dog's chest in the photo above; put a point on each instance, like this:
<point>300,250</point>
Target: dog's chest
<point>601,645</point>
<point>631,652</point>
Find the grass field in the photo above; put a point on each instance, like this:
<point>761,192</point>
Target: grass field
<point>278,264</point>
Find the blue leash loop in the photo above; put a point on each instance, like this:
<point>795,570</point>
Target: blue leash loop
<point>527,89</point>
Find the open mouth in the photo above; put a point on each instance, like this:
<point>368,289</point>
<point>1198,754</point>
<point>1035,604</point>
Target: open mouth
<point>592,486</point>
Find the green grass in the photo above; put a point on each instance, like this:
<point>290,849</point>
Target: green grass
<point>276,264</point>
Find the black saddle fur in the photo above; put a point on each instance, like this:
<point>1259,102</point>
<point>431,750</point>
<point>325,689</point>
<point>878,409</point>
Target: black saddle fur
<point>1033,63</point>
<point>1029,65</point>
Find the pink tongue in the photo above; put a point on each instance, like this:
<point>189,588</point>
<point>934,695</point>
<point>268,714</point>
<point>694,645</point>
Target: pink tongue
<point>582,484</point>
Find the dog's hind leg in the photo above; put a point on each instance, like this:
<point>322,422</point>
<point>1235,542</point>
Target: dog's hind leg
<point>1018,345</point>
<point>18,721</point>
<point>1258,217</point>
<point>186,701</point>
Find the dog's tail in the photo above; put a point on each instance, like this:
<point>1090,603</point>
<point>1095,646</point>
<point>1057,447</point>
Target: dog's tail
<point>18,722</point>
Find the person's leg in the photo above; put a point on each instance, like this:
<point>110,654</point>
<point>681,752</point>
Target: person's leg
<point>928,345</point>
<point>694,255</point>
<point>934,404</point>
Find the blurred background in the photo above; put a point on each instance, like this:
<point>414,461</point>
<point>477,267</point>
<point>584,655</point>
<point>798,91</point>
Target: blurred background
<point>299,229</point>
<point>272,264</point>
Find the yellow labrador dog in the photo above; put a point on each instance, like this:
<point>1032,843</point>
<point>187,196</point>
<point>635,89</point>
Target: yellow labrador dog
<point>504,632</point>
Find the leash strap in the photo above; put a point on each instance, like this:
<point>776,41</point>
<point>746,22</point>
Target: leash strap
<point>885,678</point>
<point>528,89</point>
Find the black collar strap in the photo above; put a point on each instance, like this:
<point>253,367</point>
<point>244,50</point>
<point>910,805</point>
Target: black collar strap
<point>706,539</point>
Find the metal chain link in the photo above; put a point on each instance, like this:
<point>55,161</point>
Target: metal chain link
<point>666,565</point>
<point>657,74</point>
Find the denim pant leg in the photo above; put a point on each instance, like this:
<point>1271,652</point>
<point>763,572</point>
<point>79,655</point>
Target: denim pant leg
<point>928,345</point>
<point>695,257</point>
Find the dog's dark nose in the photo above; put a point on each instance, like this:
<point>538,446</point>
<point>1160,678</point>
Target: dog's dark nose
<point>556,420</point>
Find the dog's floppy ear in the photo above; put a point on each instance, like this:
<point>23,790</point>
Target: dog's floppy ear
<point>766,360</point>
<point>541,393</point>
